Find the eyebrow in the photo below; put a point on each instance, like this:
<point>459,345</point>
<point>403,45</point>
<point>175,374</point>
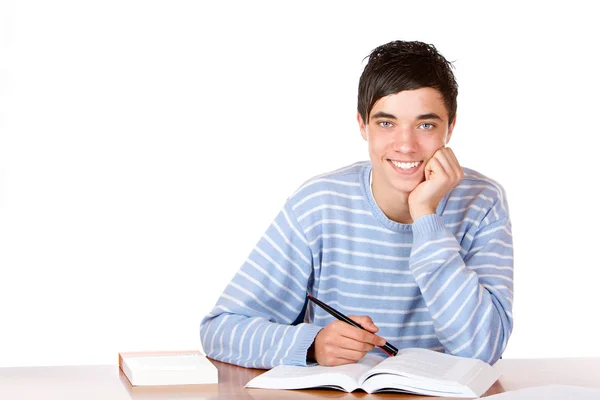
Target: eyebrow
<point>429,116</point>
<point>382,114</point>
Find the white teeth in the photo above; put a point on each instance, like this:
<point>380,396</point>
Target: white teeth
<point>405,165</point>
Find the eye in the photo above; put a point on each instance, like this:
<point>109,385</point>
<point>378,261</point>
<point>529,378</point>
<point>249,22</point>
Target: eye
<point>385,124</point>
<point>427,126</point>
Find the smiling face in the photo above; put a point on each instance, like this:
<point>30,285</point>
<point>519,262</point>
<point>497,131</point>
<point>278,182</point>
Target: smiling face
<point>404,130</point>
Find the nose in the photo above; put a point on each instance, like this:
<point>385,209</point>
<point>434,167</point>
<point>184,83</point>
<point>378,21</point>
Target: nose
<point>405,140</point>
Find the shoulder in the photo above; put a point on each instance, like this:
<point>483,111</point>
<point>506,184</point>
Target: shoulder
<point>340,185</point>
<point>340,179</point>
<point>478,191</point>
<point>474,181</point>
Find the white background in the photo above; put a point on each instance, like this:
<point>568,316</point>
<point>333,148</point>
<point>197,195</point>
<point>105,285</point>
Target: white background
<point>146,145</point>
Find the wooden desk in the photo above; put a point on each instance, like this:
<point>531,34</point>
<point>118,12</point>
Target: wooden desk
<point>106,382</point>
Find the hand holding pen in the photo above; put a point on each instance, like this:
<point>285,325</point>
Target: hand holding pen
<point>347,340</point>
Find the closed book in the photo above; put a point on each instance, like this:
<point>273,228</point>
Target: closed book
<point>167,368</point>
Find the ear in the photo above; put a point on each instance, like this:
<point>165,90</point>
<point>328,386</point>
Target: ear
<point>362,126</point>
<point>450,130</point>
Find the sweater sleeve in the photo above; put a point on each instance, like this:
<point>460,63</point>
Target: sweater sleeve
<point>252,322</point>
<point>468,293</point>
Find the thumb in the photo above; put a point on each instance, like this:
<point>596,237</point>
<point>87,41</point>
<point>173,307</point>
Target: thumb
<point>365,322</point>
<point>429,168</point>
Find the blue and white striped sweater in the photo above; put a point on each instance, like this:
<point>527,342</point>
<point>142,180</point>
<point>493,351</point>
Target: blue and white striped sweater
<point>445,282</point>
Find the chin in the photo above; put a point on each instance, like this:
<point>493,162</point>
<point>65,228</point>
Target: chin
<point>406,186</point>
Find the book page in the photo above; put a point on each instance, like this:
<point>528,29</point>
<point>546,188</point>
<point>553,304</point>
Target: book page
<point>402,384</point>
<point>344,377</point>
<point>426,364</point>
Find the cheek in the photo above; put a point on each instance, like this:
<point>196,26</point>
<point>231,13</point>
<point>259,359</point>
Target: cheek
<point>379,143</point>
<point>430,145</point>
<point>377,149</point>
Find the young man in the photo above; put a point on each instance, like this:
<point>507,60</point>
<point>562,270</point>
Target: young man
<point>416,250</point>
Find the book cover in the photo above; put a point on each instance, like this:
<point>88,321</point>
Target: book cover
<point>167,368</point>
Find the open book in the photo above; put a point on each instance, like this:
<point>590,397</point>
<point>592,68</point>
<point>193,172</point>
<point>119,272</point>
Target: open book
<point>419,371</point>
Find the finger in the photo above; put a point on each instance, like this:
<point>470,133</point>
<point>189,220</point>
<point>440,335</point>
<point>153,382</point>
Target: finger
<point>435,169</point>
<point>349,354</point>
<point>428,169</point>
<point>351,344</point>
<point>365,322</point>
<point>455,164</point>
<point>442,156</point>
<point>333,346</point>
<point>360,335</point>
<point>334,361</point>
<point>450,164</point>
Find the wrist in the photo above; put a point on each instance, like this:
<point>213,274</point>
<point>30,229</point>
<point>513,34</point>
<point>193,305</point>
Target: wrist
<point>417,213</point>
<point>428,225</point>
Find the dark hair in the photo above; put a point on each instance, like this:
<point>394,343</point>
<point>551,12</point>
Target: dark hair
<point>400,65</point>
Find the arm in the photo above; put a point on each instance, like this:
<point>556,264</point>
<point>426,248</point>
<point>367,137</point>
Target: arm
<point>251,323</point>
<point>470,299</point>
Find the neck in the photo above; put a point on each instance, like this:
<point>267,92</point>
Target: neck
<point>393,204</point>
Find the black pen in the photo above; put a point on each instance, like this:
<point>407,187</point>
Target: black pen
<point>389,349</point>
